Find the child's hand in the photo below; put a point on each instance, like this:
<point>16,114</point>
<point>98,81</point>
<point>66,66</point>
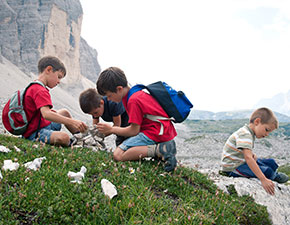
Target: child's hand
<point>269,186</point>
<point>79,125</point>
<point>104,128</point>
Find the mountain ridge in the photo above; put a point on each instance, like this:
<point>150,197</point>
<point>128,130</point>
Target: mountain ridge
<point>279,102</point>
<point>229,115</point>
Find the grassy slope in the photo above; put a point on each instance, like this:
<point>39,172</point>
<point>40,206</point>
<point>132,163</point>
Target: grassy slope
<point>148,196</point>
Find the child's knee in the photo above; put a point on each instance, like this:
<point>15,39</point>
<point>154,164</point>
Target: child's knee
<point>64,112</point>
<point>118,154</point>
<point>270,163</point>
<point>60,138</point>
<point>273,164</point>
<point>117,157</point>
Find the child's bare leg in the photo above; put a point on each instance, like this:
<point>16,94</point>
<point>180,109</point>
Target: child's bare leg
<point>134,153</point>
<point>66,113</point>
<point>59,138</point>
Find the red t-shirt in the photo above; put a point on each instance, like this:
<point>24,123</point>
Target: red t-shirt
<point>140,104</point>
<point>36,97</point>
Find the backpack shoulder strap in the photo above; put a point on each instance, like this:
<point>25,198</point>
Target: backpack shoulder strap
<point>31,83</point>
<point>134,89</point>
<point>154,118</point>
<point>35,82</point>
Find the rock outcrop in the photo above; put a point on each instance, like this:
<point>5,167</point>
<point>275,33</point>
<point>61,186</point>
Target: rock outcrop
<point>278,205</point>
<point>32,29</point>
<point>89,66</point>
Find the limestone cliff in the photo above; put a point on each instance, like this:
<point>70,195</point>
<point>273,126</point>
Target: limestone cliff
<point>34,28</point>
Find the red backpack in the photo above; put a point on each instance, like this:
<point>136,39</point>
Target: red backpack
<point>13,115</point>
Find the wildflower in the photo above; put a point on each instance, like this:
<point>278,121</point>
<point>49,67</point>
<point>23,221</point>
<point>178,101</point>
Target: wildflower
<point>130,205</point>
<point>131,170</point>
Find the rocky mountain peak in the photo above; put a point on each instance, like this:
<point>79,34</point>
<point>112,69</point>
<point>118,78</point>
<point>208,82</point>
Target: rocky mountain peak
<point>34,28</point>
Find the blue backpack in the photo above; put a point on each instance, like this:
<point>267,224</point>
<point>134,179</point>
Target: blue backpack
<point>175,103</point>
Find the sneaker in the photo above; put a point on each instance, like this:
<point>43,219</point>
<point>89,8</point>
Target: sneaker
<point>168,152</point>
<point>73,141</point>
<point>281,178</point>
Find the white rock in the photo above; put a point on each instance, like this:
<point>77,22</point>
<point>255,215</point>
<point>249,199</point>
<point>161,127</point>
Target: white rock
<point>91,138</point>
<point>9,165</point>
<point>35,164</point>
<point>4,149</point>
<point>108,188</point>
<point>77,177</point>
<point>17,149</point>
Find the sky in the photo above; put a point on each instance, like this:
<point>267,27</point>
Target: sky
<point>224,55</point>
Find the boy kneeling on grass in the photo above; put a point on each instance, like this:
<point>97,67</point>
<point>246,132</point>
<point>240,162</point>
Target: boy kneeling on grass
<point>144,138</point>
<point>238,160</point>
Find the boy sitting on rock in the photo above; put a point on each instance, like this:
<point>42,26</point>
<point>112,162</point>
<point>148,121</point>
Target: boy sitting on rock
<point>45,123</point>
<point>94,104</point>
<point>238,159</point>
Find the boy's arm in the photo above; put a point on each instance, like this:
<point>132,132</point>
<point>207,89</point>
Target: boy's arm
<point>53,116</point>
<point>267,184</point>
<point>117,121</point>
<point>129,131</point>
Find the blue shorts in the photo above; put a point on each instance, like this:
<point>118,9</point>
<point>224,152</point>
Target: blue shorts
<point>44,133</point>
<point>138,140</point>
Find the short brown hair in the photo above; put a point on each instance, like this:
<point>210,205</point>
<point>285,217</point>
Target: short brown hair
<point>89,100</point>
<point>110,79</point>
<point>266,115</point>
<point>52,61</point>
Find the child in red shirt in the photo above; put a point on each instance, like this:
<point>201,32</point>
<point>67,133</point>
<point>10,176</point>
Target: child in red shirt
<point>45,123</point>
<point>145,140</point>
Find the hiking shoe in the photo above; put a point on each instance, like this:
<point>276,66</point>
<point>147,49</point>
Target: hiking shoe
<point>167,151</point>
<point>281,178</point>
<point>73,141</point>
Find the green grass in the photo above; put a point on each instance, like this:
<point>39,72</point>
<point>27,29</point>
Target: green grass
<point>285,169</point>
<point>148,196</point>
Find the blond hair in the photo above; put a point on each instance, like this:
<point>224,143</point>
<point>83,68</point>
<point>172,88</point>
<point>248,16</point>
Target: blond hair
<point>266,115</point>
